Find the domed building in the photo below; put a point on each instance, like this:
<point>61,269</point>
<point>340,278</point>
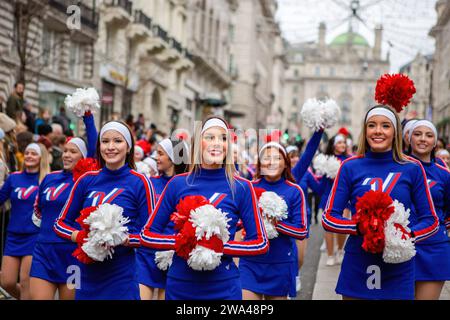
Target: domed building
<point>345,69</point>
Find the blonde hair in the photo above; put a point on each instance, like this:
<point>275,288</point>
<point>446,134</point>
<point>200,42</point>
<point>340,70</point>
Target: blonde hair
<point>397,143</point>
<point>44,163</point>
<point>197,159</point>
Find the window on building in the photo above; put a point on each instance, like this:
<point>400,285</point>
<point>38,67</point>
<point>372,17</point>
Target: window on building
<point>294,102</point>
<point>296,73</point>
<point>346,88</point>
<point>295,89</point>
<point>110,42</point>
<point>317,72</point>
<point>322,88</point>
<point>231,32</point>
<point>51,48</point>
<point>76,61</point>
<point>332,72</point>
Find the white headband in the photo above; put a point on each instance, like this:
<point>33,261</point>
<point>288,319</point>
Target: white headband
<point>214,122</point>
<point>272,144</point>
<point>80,144</point>
<point>151,163</point>
<point>35,147</point>
<point>427,124</point>
<point>140,150</point>
<point>442,152</point>
<point>383,112</point>
<point>339,138</point>
<point>122,129</point>
<point>290,149</point>
<point>166,144</point>
<point>408,127</point>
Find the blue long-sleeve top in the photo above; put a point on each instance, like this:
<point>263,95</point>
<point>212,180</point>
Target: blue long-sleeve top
<point>305,161</point>
<point>21,189</point>
<point>311,181</point>
<point>405,182</point>
<point>124,187</point>
<point>239,203</point>
<point>438,178</point>
<point>55,189</point>
<point>293,227</point>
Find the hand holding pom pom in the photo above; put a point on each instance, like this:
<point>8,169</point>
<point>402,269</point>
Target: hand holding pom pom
<point>83,101</point>
<point>319,115</point>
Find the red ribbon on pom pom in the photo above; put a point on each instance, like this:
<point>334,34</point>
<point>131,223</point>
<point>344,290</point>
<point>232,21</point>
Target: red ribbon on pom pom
<point>82,236</point>
<point>214,243</point>
<point>83,166</point>
<point>185,241</point>
<point>372,210</point>
<point>184,208</point>
<point>395,90</point>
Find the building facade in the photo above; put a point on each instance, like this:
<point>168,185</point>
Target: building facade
<point>441,69</point>
<point>346,70</point>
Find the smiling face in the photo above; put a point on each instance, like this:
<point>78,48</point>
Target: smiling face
<point>340,148</point>
<point>31,159</point>
<point>163,161</point>
<point>71,156</point>
<point>422,141</point>
<point>214,147</point>
<point>113,149</point>
<point>380,133</point>
<point>272,164</point>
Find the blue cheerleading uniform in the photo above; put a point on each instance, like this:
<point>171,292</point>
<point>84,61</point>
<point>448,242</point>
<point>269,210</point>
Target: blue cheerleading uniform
<point>148,272</point>
<point>310,181</point>
<point>52,256</point>
<point>223,282</point>
<point>271,273</point>
<point>21,189</point>
<point>405,182</point>
<point>433,254</point>
<point>115,278</point>
<point>305,161</point>
<point>327,184</point>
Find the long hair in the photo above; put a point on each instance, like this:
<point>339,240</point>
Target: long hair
<point>287,172</point>
<point>397,143</point>
<point>181,154</point>
<point>331,147</point>
<point>44,163</point>
<point>197,158</point>
<point>129,159</point>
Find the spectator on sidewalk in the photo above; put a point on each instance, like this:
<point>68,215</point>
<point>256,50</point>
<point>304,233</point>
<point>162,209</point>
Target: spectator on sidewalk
<point>62,119</point>
<point>14,105</point>
<point>44,117</point>
<point>8,125</point>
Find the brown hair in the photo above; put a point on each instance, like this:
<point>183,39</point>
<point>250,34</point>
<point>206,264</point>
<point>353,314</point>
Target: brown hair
<point>397,147</point>
<point>129,159</point>
<point>287,172</point>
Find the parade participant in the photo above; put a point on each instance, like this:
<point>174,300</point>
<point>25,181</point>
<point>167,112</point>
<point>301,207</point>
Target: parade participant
<point>52,256</point>
<point>117,184</point>
<point>380,166</point>
<point>444,155</point>
<point>432,261</point>
<point>211,176</point>
<point>270,276</point>
<point>172,159</point>
<point>407,134</point>
<point>337,147</point>
<point>21,189</point>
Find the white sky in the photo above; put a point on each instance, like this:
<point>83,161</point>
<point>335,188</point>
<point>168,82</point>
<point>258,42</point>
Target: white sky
<point>406,23</point>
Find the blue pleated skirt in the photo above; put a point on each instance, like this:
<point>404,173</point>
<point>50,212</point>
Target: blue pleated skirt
<point>432,262</point>
<point>148,272</point>
<point>20,244</point>
<point>229,289</point>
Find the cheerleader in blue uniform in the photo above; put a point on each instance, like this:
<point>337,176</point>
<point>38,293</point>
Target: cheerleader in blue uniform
<point>379,165</point>
<point>53,262</point>
<point>172,159</point>
<point>269,276</point>
<point>21,189</point>
<point>116,183</point>
<point>212,175</point>
<point>433,254</point>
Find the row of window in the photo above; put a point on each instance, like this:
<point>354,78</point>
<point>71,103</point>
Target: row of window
<point>331,72</point>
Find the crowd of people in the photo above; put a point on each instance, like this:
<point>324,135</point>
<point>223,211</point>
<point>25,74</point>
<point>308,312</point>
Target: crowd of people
<point>156,179</point>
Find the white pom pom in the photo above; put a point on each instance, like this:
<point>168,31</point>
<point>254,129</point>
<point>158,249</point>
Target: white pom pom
<point>204,259</point>
<point>210,221</point>
<point>396,248</point>
<point>320,114</point>
<point>143,168</point>
<point>320,164</point>
<point>83,100</point>
<point>107,230</point>
<point>273,206</point>
<point>332,167</point>
<point>271,231</point>
<point>164,259</point>
<point>36,219</point>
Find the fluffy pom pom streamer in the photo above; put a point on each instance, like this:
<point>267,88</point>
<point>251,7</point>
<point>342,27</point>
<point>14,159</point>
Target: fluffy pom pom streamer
<point>164,259</point>
<point>209,221</point>
<point>204,259</point>
<point>320,164</point>
<point>399,246</point>
<point>83,166</point>
<point>332,167</point>
<point>271,230</point>
<point>82,101</point>
<point>273,206</point>
<point>143,168</point>
<point>395,90</point>
<point>319,115</point>
<point>106,230</point>
<point>184,208</point>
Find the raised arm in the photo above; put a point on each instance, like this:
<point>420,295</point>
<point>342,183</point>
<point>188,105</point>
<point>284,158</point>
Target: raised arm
<point>256,238</point>
<point>91,133</point>
<point>296,224</point>
<point>305,161</point>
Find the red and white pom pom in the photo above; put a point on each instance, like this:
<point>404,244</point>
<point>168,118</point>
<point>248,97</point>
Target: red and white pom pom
<point>211,226</point>
<point>332,167</point>
<point>399,246</point>
<point>164,259</point>
<point>319,115</point>
<point>82,101</point>
<point>395,90</point>
<point>273,206</point>
<point>107,229</point>
<point>83,166</point>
